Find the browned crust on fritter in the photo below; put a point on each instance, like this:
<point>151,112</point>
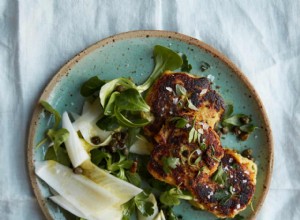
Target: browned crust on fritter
<point>173,142</point>
<point>241,174</point>
<point>164,105</point>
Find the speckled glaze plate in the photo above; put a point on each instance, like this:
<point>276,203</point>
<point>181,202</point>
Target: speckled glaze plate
<point>130,55</point>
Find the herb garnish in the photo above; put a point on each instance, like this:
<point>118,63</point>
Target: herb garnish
<point>172,197</point>
<point>204,66</point>
<point>186,67</point>
<point>56,136</point>
<point>180,122</point>
<point>141,202</point>
<point>169,162</point>
<point>220,176</point>
<point>240,124</point>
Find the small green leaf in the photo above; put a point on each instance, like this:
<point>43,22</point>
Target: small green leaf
<point>203,147</point>
<point>248,128</point>
<point>124,121</point>
<point>165,59</point>
<point>109,108</point>
<point>168,199</point>
<point>134,178</point>
<point>127,209</point>
<point>192,106</point>
<point>143,204</point>
<point>97,156</point>
<point>61,156</point>
<point>234,120</point>
<point>172,196</point>
<point>228,111</point>
<point>222,196</point>
<point>186,67</point>
<point>91,86</point>
<point>132,136</point>
<point>58,137</point>
<point>180,90</point>
<point>108,123</point>
<point>180,122</point>
<point>170,162</point>
<point>220,176</point>
<point>51,110</point>
<point>131,100</point>
<point>108,88</point>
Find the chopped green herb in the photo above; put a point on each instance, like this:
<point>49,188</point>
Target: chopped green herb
<point>172,197</point>
<point>170,162</point>
<point>192,106</point>
<point>186,67</point>
<point>143,204</point>
<point>248,128</point>
<point>220,176</point>
<point>204,66</point>
<point>180,122</point>
<point>203,147</point>
<point>180,90</point>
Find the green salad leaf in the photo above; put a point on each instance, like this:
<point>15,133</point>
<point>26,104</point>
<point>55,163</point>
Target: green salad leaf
<point>52,111</point>
<point>108,123</point>
<point>91,86</point>
<point>109,108</point>
<point>108,88</point>
<point>61,156</point>
<point>165,59</point>
<point>126,122</point>
<point>58,137</point>
<point>131,100</point>
<point>133,178</point>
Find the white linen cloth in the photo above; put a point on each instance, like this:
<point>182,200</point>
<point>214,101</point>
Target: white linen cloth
<point>38,37</point>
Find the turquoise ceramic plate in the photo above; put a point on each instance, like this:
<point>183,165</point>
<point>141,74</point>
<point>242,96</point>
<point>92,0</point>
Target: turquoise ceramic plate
<point>129,55</point>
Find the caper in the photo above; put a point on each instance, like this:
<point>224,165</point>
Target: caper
<point>78,170</point>
<point>243,136</point>
<point>224,130</point>
<point>247,153</point>
<point>95,140</point>
<point>236,130</point>
<point>134,167</point>
<point>245,120</point>
<point>125,151</point>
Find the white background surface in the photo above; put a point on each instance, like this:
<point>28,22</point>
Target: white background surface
<point>38,37</point>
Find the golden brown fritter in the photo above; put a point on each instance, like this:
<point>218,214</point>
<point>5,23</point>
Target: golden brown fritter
<point>204,153</point>
<point>165,102</point>
<point>228,199</point>
<point>221,182</point>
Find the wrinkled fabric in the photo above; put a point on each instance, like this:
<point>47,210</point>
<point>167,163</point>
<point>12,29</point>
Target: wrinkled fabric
<point>38,37</point>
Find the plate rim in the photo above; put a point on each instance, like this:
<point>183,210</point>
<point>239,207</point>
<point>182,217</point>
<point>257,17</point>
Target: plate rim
<point>63,71</point>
